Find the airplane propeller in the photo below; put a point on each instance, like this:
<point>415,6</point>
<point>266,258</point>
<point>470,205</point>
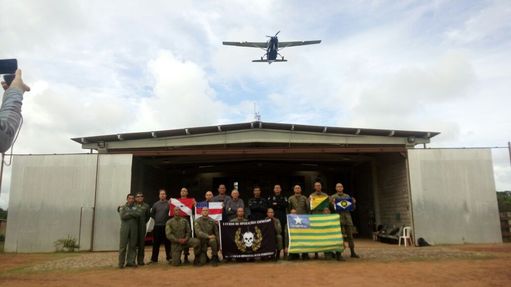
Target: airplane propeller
<point>273,36</point>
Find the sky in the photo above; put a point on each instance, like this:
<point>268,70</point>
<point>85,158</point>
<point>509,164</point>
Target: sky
<point>106,67</point>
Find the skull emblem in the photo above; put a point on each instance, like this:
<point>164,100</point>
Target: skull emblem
<point>248,239</point>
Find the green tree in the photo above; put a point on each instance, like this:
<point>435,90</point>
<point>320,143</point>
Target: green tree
<point>3,214</point>
<point>504,201</point>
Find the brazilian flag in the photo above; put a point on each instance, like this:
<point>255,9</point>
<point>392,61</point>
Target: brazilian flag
<point>319,202</point>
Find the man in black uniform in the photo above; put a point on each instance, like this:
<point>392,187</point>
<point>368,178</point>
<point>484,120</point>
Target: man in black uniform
<point>257,205</point>
<point>279,204</point>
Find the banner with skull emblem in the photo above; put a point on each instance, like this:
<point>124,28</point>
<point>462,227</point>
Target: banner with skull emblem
<point>248,239</point>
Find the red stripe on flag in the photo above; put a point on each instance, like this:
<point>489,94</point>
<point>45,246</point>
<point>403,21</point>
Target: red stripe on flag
<point>185,201</point>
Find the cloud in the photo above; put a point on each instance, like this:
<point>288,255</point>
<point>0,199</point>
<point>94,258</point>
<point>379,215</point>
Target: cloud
<point>181,96</point>
<point>398,98</point>
<point>484,25</point>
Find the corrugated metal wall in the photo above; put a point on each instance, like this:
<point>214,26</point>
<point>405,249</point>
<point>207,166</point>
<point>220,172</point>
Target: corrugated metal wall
<point>48,194</point>
<point>453,196</point>
<point>52,196</point>
<point>114,183</point>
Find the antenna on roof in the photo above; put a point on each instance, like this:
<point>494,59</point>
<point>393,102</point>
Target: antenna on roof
<point>257,116</point>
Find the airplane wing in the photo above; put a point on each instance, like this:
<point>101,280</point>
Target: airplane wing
<point>247,44</point>
<point>268,61</point>
<point>297,43</point>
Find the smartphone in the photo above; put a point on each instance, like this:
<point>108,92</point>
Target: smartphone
<point>8,66</point>
<point>9,78</point>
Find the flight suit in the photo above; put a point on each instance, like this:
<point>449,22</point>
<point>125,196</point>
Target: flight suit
<point>144,211</point>
<point>128,234</point>
<point>175,229</point>
<point>205,226</point>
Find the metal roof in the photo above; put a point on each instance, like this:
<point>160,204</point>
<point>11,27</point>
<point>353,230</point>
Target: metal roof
<point>254,125</point>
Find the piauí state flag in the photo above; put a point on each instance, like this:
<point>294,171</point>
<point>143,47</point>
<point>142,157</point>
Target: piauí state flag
<point>215,209</point>
<point>319,202</point>
<point>185,206</point>
<point>314,233</point>
<point>343,204</point>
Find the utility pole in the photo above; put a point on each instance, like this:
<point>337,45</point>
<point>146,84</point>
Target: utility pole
<point>1,171</point>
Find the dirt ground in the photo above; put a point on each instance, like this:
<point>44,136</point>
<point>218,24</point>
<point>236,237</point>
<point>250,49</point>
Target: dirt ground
<point>380,265</point>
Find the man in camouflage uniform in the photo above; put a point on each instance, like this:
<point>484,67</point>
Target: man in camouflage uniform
<point>145,214</point>
<point>278,231</point>
<point>184,194</point>
<point>298,202</point>
<point>206,230</point>
<point>177,230</point>
<point>318,193</point>
<point>346,221</point>
<point>240,216</point>
<point>128,234</point>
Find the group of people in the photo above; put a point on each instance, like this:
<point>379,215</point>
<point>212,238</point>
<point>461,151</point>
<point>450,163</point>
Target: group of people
<point>176,235</point>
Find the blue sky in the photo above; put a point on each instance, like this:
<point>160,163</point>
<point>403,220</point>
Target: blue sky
<point>100,67</point>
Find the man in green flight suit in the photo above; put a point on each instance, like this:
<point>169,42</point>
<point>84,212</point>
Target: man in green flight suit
<point>346,221</point>
<point>178,231</point>
<point>206,230</point>
<point>144,211</point>
<point>128,234</point>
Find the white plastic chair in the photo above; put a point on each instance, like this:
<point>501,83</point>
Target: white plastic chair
<point>406,236</point>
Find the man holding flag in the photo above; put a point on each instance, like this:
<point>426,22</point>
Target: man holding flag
<point>215,210</point>
<point>185,205</point>
<point>344,204</point>
<point>318,199</point>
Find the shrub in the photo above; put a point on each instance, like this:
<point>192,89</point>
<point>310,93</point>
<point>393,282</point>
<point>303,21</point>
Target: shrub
<point>68,244</point>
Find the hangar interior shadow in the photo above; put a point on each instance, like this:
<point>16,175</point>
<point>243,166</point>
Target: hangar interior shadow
<point>200,174</point>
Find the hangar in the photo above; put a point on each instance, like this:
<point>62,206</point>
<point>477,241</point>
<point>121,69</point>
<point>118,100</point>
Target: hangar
<point>445,195</point>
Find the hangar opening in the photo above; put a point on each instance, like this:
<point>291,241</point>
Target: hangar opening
<point>376,179</point>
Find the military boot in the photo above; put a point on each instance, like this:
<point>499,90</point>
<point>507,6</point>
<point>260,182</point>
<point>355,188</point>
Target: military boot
<point>353,254</point>
<point>214,260</point>
<point>196,260</point>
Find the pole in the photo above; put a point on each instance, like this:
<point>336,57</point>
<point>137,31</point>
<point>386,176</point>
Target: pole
<point>508,148</point>
<point>1,171</point>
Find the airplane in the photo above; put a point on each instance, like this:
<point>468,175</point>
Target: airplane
<point>272,47</point>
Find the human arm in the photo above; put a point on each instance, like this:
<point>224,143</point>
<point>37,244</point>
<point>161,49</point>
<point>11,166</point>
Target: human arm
<point>168,232</point>
<point>199,232</point>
